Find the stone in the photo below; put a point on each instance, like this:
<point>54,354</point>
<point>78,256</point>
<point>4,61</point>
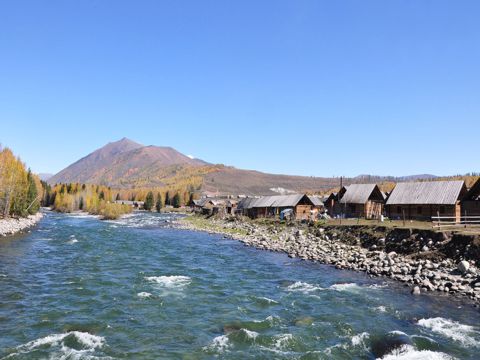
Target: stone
<point>463,266</point>
<point>416,291</point>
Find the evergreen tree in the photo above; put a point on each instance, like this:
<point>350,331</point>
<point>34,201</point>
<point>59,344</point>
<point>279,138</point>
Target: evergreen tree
<point>167,198</point>
<point>80,204</point>
<point>102,195</point>
<point>117,197</point>
<point>148,204</point>
<point>159,204</point>
<point>190,200</point>
<point>176,201</point>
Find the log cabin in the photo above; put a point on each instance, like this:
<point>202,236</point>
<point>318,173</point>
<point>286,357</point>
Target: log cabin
<point>423,200</point>
<point>271,206</point>
<point>361,201</point>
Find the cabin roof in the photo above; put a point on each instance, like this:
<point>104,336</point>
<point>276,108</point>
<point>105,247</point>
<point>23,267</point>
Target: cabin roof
<point>316,200</point>
<point>359,193</point>
<point>428,192</point>
<point>276,201</point>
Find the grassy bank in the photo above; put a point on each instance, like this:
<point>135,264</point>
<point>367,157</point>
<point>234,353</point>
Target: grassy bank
<point>205,224</point>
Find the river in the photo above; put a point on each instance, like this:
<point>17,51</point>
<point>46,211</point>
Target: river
<point>80,288</point>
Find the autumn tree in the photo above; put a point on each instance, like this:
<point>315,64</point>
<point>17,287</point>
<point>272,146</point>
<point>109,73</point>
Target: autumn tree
<point>18,187</point>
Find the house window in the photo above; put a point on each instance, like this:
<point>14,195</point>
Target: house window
<point>442,209</point>
<point>419,210</point>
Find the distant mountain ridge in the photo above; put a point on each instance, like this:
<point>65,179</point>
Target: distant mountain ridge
<point>128,164</point>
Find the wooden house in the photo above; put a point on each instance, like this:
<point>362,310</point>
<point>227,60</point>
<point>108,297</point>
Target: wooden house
<point>361,201</point>
<point>422,200</point>
<point>471,202</point>
<point>318,205</point>
<point>271,206</point>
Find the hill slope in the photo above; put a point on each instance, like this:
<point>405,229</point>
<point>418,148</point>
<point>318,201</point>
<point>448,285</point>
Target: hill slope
<point>123,163</point>
<point>127,164</point>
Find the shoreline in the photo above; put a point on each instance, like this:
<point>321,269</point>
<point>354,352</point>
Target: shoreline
<point>438,276</point>
<point>13,226</point>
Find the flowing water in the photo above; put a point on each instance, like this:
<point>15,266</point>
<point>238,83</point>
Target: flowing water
<point>80,288</point>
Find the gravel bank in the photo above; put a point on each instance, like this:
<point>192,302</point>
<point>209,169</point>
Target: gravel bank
<point>12,226</point>
<point>420,261</point>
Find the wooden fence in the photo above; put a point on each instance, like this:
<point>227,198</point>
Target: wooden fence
<point>452,222</point>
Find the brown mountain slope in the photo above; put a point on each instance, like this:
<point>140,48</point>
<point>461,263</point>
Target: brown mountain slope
<point>84,169</point>
<point>248,182</point>
<point>125,163</point>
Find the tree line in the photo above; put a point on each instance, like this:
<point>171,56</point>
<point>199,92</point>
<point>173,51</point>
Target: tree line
<point>20,190</point>
<point>106,201</point>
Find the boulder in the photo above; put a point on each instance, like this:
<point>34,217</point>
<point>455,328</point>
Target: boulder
<point>463,266</point>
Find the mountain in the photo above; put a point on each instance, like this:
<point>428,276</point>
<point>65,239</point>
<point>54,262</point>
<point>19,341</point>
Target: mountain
<point>44,176</point>
<point>128,164</point>
<point>122,163</point>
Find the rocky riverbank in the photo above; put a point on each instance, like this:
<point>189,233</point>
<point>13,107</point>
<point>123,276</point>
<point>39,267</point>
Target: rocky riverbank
<point>427,261</point>
<point>11,226</point>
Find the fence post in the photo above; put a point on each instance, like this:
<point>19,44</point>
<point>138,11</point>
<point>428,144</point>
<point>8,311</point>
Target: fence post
<point>438,220</point>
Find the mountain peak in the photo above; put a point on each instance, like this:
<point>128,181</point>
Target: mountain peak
<point>124,161</point>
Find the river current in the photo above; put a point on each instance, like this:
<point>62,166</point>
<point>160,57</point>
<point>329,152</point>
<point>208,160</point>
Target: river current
<point>76,287</point>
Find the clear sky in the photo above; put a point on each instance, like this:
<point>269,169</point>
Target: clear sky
<point>299,87</point>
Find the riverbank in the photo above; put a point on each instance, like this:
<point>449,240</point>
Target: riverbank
<point>427,261</point>
<point>11,226</point>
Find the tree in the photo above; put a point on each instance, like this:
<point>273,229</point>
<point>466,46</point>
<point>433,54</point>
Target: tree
<point>117,197</point>
<point>101,196</point>
<point>32,193</point>
<point>167,198</point>
<point>148,204</point>
<point>176,201</point>
<point>80,204</point>
<point>190,200</point>
<point>159,204</point>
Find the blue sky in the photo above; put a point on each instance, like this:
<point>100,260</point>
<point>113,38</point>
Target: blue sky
<point>298,87</point>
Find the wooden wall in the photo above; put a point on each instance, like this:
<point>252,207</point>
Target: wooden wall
<point>471,208</point>
<point>422,212</point>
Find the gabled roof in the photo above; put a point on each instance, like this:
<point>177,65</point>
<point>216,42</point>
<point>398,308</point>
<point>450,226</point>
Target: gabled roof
<point>274,201</point>
<point>361,193</point>
<point>429,192</point>
<point>246,203</point>
<point>316,200</point>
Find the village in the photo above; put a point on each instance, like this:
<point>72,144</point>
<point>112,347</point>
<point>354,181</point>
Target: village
<point>442,203</point>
